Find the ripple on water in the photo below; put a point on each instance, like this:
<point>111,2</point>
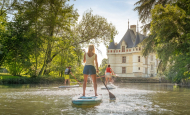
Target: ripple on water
<point>58,101</point>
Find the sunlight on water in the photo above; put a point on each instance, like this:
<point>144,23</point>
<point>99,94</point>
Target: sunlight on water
<point>130,99</point>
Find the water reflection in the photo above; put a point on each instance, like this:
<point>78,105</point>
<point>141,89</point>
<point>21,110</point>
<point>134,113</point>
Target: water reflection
<point>130,99</point>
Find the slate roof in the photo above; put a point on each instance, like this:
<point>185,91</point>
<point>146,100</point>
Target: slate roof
<point>137,41</point>
<point>112,45</point>
<point>130,39</point>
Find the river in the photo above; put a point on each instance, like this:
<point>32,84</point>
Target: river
<point>132,99</point>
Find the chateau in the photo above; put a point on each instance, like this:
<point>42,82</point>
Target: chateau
<point>126,58</point>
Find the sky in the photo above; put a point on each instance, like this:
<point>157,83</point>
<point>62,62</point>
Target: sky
<point>116,12</point>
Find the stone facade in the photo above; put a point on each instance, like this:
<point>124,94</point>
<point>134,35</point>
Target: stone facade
<point>126,58</point>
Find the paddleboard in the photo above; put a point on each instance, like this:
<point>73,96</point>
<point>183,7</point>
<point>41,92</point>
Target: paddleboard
<point>111,86</point>
<point>69,86</point>
<point>115,75</point>
<point>86,100</point>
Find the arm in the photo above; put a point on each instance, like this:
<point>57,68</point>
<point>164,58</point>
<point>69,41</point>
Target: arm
<point>71,73</point>
<point>112,72</point>
<point>96,61</point>
<point>84,60</point>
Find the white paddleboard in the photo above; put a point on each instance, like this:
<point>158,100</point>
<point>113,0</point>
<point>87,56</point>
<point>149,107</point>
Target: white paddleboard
<point>69,86</point>
<point>111,86</point>
<point>86,100</point>
<point>115,75</point>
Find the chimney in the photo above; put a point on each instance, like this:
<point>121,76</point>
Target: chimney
<point>133,27</point>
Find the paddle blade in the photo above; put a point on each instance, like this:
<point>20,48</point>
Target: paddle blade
<point>112,97</point>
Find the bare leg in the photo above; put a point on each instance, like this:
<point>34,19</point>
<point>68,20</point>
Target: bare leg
<point>106,81</point>
<point>65,81</point>
<point>95,83</point>
<point>110,79</point>
<point>69,81</point>
<point>84,83</point>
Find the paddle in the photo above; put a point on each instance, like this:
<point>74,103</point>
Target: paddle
<point>76,79</point>
<point>112,97</point>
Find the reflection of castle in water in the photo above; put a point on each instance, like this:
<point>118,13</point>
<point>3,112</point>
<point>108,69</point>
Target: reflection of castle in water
<point>126,58</point>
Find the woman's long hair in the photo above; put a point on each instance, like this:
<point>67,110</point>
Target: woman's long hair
<point>91,49</point>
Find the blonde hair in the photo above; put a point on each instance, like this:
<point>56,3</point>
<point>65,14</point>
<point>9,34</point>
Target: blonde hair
<point>91,49</point>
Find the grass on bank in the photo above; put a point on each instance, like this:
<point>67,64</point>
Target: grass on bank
<point>6,78</point>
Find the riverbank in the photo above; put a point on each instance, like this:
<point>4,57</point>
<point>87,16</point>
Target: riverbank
<point>184,82</point>
<point>9,79</point>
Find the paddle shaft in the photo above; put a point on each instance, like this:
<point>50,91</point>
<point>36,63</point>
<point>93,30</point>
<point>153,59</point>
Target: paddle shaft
<point>76,79</point>
<point>110,94</point>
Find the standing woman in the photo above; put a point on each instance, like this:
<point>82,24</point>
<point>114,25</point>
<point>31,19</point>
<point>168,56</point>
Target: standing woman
<point>108,74</point>
<point>89,58</point>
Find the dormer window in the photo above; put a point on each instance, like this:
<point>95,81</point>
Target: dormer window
<point>123,48</point>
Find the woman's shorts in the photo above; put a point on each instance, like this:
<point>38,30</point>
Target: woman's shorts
<point>108,75</point>
<point>67,76</point>
<point>89,69</point>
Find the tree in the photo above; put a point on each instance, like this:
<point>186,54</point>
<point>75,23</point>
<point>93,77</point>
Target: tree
<point>169,37</point>
<point>44,37</point>
<point>91,29</point>
<point>103,66</point>
<point>7,6</point>
<point>17,45</point>
<point>144,8</point>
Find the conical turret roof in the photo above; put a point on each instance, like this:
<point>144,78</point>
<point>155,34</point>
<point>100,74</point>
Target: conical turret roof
<point>112,45</point>
<point>137,41</point>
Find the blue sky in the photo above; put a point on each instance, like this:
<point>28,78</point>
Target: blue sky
<point>115,11</point>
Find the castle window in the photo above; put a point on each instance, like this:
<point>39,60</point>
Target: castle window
<point>139,68</point>
<point>133,49</point>
<point>127,50</point>
<point>124,59</point>
<point>108,51</point>
<point>123,69</point>
<point>119,50</point>
<point>139,48</point>
<point>123,48</point>
<point>114,51</point>
<point>139,58</point>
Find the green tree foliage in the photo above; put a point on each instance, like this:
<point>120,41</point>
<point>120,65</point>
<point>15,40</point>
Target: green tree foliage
<point>17,46</point>
<point>44,37</point>
<point>177,69</point>
<point>169,38</point>
<point>103,66</point>
<point>7,6</point>
<point>144,8</point>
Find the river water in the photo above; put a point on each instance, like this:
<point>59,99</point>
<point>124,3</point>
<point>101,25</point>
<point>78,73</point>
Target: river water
<point>132,99</point>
